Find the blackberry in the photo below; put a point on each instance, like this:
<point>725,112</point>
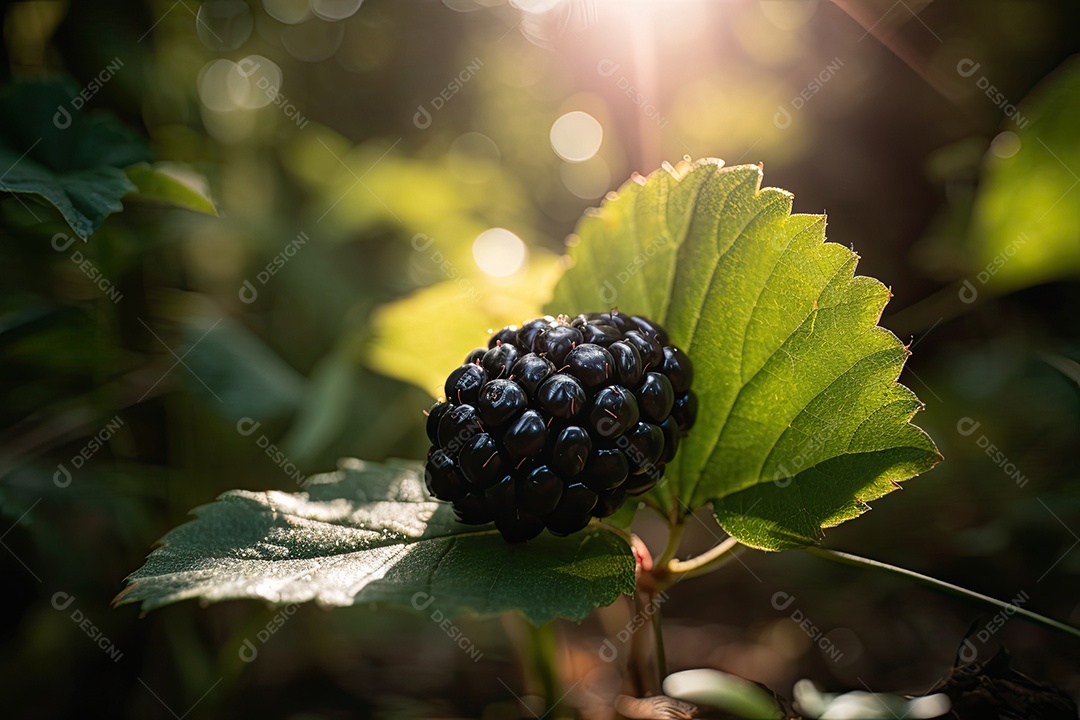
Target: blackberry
<point>499,401</point>
<point>559,421</point>
<point>655,397</point>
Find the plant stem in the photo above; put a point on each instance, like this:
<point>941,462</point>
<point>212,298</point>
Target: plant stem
<point>658,636</point>
<point>672,547</point>
<point>706,562</point>
<point>624,534</point>
<point>850,559</point>
<point>543,648</point>
<point>638,664</point>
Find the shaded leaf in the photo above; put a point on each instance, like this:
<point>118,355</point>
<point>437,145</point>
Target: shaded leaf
<point>53,151</point>
<point>369,533</point>
<point>236,372</point>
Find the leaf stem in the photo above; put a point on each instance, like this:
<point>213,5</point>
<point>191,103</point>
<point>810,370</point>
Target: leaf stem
<point>622,533</point>
<point>672,547</point>
<point>849,559</point>
<point>707,561</point>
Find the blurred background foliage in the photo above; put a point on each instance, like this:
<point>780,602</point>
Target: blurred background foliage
<point>390,181</point>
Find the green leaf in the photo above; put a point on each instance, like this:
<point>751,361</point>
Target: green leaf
<point>801,420</point>
<point>324,410</point>
<point>731,693</point>
<point>53,151</point>
<point>235,371</point>
<point>1027,213</point>
<point>369,533</point>
<point>169,185</point>
<point>459,316</point>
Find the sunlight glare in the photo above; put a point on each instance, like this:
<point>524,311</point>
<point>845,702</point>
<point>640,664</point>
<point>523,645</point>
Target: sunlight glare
<point>498,252</point>
<point>576,136</point>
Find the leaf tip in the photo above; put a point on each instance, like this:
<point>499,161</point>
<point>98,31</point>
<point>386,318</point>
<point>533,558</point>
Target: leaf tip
<point>123,597</point>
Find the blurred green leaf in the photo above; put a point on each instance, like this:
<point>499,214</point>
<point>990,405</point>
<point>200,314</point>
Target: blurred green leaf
<point>731,693</point>
<point>458,316</point>
<point>50,149</point>
<point>802,421</point>
<point>1026,224</point>
<point>162,183</point>
<point>236,372</point>
<point>324,410</point>
<point>369,533</point>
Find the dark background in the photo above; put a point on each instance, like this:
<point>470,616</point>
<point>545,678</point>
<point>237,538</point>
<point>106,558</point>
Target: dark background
<point>893,146</point>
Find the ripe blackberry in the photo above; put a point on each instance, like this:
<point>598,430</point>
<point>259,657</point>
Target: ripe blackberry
<point>559,421</point>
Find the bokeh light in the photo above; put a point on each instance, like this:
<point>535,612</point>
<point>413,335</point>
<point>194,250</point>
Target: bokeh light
<point>1006,144</point>
<point>289,12</point>
<point>335,9</point>
<point>224,25</point>
<point>537,6</point>
<point>576,136</point>
<point>499,252</point>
